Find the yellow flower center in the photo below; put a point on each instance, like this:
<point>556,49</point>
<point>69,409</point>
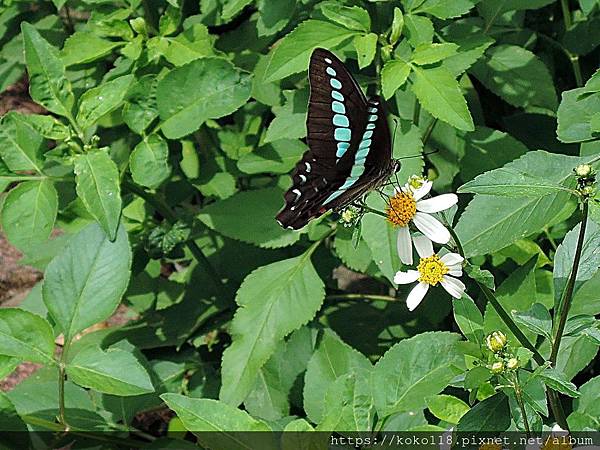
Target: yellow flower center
<point>401,210</point>
<point>557,443</point>
<point>432,270</point>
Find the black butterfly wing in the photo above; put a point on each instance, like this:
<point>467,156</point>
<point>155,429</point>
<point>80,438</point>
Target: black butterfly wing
<point>339,165</point>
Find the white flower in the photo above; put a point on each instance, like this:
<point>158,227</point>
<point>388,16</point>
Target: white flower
<point>408,205</point>
<point>432,269</point>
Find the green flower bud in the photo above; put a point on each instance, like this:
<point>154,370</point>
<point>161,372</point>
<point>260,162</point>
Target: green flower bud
<point>583,170</point>
<point>512,363</point>
<point>497,367</point>
<point>496,341</point>
<point>139,25</point>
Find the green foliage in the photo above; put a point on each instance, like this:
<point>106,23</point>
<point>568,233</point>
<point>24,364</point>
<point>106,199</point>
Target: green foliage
<point>149,177</point>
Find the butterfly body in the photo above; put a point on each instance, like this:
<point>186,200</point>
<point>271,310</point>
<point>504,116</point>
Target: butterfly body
<point>349,145</point>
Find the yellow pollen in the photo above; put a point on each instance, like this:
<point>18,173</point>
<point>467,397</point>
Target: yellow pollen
<point>432,270</point>
<point>401,210</point>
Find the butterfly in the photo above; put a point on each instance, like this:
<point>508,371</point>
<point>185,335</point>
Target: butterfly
<point>349,145</point>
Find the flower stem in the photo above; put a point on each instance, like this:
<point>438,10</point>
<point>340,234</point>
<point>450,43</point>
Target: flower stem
<point>519,397</point>
<point>573,58</point>
<point>374,211</point>
<point>429,130</point>
<point>416,112</point>
<point>384,298</point>
<point>165,210</point>
<point>61,383</point>
<point>564,306</point>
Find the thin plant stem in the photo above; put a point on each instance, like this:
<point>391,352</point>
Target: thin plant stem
<point>61,383</point>
<point>564,305</point>
<point>573,58</point>
<point>374,211</point>
<point>165,210</point>
<point>519,397</point>
<point>429,130</point>
<point>384,298</point>
<point>416,112</point>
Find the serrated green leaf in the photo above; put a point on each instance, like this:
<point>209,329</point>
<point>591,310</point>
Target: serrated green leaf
<point>509,181</point>
<point>518,76</point>
<point>588,403</point>
<point>103,99</point>
<point>114,371</point>
<point>492,414</point>
<point>149,161</point>
<point>432,53</point>
<point>414,369</point>
<point>290,118</point>
<point>193,43</point>
<point>291,55</point>
<point>536,319</point>
<point>445,9</point>
<point>351,17</point>
<point>439,93</point>
<point>394,74</point>
<point>83,47</point>
<point>232,7</point>
<point>26,336</point>
<point>29,212</point>
<point>277,157</point>
<point>575,115</point>
<point>417,29</point>
<point>274,16</point>
<point>447,407</point>
<point>365,46</point>
<point>557,381</point>
<point>140,108</point>
<point>490,223</point>
<point>49,85</point>
<point>20,144</point>
<point>469,319</point>
<point>84,283</point>
<point>397,25</point>
<point>258,208</point>
<point>274,300</point>
<point>206,88</point>
<point>98,187</point>
<point>46,125</point>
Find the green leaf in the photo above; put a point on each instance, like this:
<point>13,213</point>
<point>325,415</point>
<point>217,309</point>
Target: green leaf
<point>258,208</point>
<point>439,93</point>
<point>365,46</point>
<point>114,371</point>
<point>84,283</point>
<point>447,407</point>
<point>140,108</point>
<point>13,428</point>
<point>417,29</point>
<point>487,149</point>
<point>492,414</point>
<point>394,74</point>
<point>20,144</point>
<point>83,47</point>
<point>518,76</point>
<point>432,53</point>
<point>351,17</point>
<point>445,9</point>
<point>274,300</point>
<point>274,16</point>
<point>98,187</point>
<point>46,125</point>
<point>537,319</point>
<point>510,181</point>
<point>381,239</point>
<point>29,212</point>
<point>278,157</point>
<point>331,360</point>
<point>206,88</point>
<point>575,115</point>
<point>193,43</point>
<point>469,319</point>
<point>292,54</point>
<point>149,161</point>
<point>218,425</point>
<point>557,381</point>
<point>480,275</point>
<point>49,85</point>
<point>290,118</point>
<point>490,223</point>
<point>26,336</point>
<point>565,255</point>
<point>576,352</point>
<point>232,7</point>
<point>414,369</point>
<point>103,99</point>
<point>588,403</point>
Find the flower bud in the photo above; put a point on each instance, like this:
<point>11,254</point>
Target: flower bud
<point>349,216</point>
<point>496,341</point>
<point>497,367</point>
<point>583,170</point>
<point>512,364</point>
<point>139,25</point>
<point>588,191</point>
<point>416,181</point>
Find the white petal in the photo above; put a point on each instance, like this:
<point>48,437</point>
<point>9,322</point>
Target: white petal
<point>416,295</point>
<point>404,245</point>
<point>454,287</point>
<point>437,204</point>
<point>423,245</point>
<point>407,277</point>
<point>455,272</point>
<point>451,259</point>
<point>418,194</point>
<point>431,227</point>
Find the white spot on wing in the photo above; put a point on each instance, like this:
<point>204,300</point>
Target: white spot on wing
<point>328,61</point>
<point>302,179</point>
<point>298,194</point>
<point>307,166</point>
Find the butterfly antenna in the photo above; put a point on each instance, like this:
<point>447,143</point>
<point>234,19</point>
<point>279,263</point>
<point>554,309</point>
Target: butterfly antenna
<point>418,156</point>
<point>394,134</point>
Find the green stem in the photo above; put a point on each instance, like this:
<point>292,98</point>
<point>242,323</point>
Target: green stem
<point>416,112</point>
<point>573,58</point>
<point>519,397</point>
<point>566,14</point>
<point>384,298</point>
<point>564,305</point>
<point>374,211</point>
<point>61,384</point>
<point>165,210</point>
<point>429,130</point>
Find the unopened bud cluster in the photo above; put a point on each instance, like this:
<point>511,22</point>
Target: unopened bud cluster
<point>502,359</point>
<point>350,216</point>
<point>586,180</point>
